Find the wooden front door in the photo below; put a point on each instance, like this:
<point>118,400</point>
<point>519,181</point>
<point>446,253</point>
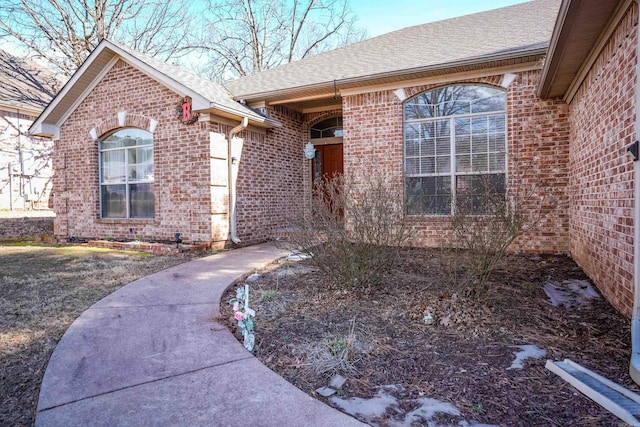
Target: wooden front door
<point>328,161</point>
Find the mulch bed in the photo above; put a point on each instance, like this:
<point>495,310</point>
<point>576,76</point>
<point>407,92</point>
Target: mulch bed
<point>463,358</point>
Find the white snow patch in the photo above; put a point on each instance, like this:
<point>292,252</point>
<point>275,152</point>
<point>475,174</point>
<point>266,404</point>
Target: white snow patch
<point>298,257</point>
<point>367,408</point>
<point>427,409</point>
<point>527,352</point>
<point>384,404</point>
<point>570,293</point>
<point>475,424</point>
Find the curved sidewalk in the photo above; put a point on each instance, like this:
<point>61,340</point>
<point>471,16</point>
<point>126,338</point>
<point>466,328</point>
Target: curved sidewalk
<point>152,353</point>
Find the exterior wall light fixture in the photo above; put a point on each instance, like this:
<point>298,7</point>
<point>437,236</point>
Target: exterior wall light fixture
<point>309,151</point>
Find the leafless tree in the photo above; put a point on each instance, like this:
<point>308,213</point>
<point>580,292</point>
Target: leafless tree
<point>243,37</point>
<point>64,32</point>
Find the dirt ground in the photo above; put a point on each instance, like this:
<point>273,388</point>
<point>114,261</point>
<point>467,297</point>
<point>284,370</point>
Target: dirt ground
<point>42,291</point>
<point>455,367</point>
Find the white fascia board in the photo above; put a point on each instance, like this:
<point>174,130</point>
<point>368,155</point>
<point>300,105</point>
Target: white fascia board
<point>70,83</point>
<point>87,91</point>
<point>445,78</point>
<point>251,115</point>
<point>22,110</point>
<point>45,130</point>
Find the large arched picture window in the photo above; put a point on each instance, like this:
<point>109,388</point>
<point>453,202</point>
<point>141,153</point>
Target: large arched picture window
<point>126,174</point>
<point>454,148</point>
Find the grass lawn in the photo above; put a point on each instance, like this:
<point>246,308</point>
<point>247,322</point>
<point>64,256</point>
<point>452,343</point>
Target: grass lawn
<point>42,290</point>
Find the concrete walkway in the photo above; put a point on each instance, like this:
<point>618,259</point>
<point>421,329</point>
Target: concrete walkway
<point>152,353</point>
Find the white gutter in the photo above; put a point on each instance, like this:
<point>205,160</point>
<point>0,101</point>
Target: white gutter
<point>233,162</point>
<point>634,365</point>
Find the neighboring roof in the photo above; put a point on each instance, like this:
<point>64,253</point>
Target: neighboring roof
<point>578,28</point>
<point>500,34</point>
<point>206,96</point>
<point>25,85</point>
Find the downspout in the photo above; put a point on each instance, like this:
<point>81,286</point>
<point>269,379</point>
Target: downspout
<point>233,163</point>
<point>634,365</point>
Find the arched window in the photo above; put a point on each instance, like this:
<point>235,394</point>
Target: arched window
<point>126,174</point>
<point>328,128</point>
<point>454,148</point>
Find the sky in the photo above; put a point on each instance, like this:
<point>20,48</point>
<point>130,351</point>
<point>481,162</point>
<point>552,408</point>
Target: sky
<point>383,16</point>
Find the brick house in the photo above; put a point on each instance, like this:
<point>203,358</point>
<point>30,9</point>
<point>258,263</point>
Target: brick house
<point>25,162</point>
<point>543,90</point>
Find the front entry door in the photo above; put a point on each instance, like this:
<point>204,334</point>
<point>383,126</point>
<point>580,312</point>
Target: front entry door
<point>328,161</point>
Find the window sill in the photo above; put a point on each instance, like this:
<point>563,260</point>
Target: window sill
<point>126,220</point>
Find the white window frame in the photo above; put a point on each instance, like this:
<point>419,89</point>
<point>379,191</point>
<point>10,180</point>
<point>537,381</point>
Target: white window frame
<point>127,181</point>
<point>453,174</point>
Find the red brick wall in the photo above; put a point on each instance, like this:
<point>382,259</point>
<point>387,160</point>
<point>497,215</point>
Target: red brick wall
<point>270,178</point>
<point>538,148</point>
<point>181,152</point>
<point>602,126</point>
<point>191,193</point>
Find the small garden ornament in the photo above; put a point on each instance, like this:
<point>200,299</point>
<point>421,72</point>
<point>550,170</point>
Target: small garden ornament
<point>244,315</point>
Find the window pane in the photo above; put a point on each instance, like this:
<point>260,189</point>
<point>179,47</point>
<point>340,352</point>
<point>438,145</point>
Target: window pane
<point>463,144</point>
<point>140,164</point>
<point>428,165</point>
<point>479,143</point>
<point>480,194</point>
<point>443,146</point>
<point>142,201</point>
<point>417,109</point>
<point>455,100</point>
<point>113,169</point>
<point>443,128</point>
<point>496,142</point>
<point>480,162</point>
<point>412,166</point>
<point>411,131</point>
<point>463,163</point>
<point>428,130</point>
<point>114,201</point>
<point>437,195</point>
<point>329,128</point>
<point>428,148</point>
<point>497,123</point>
<point>497,162</point>
<point>443,164</point>
<point>429,195</point>
<point>414,196</point>
<point>463,126</point>
<point>479,125</point>
<point>412,148</point>
<point>489,103</point>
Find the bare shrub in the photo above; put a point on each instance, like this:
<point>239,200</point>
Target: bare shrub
<point>488,217</point>
<point>354,229</point>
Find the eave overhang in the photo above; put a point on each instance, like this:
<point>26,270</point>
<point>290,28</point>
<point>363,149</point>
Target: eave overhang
<point>328,92</point>
<point>578,32</point>
<point>19,107</point>
<point>91,72</point>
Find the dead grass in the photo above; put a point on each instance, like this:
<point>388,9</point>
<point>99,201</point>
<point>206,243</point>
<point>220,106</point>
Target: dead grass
<point>42,290</point>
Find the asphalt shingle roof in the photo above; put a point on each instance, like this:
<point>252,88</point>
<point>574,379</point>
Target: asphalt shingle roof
<point>214,92</point>
<point>506,30</point>
<point>23,84</point>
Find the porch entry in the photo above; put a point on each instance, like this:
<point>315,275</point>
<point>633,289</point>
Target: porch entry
<point>326,136</point>
<point>328,161</point>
